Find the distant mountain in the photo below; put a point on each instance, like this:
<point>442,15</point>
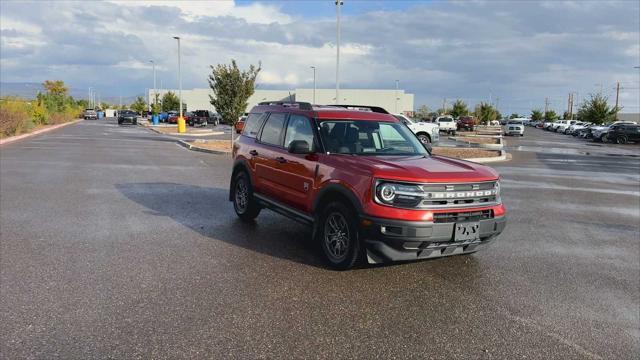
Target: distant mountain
<point>24,90</point>
<point>29,90</point>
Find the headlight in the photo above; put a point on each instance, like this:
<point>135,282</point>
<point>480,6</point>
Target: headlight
<point>497,187</point>
<point>403,195</point>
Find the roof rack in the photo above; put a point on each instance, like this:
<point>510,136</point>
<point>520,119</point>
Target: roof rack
<point>375,109</point>
<point>299,104</point>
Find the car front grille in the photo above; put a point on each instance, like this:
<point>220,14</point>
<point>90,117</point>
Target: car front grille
<point>454,217</point>
<point>459,195</point>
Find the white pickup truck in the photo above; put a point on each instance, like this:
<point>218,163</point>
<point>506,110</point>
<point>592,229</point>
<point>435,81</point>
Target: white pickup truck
<point>427,133</point>
<point>447,124</point>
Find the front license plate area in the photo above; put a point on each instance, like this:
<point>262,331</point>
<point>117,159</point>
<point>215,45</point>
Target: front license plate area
<point>466,231</point>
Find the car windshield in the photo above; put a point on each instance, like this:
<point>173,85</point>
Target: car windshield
<point>514,122</point>
<point>367,137</point>
<point>126,112</point>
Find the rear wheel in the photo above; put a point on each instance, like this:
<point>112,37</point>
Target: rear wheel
<point>243,201</point>
<point>338,236</point>
<point>621,139</point>
<point>604,138</point>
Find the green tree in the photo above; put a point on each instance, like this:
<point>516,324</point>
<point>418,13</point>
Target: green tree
<point>514,116</point>
<point>566,115</point>
<point>232,88</point>
<point>55,87</point>
<point>537,115</point>
<point>485,112</point>
<point>423,112</point>
<point>170,102</point>
<point>459,109</point>
<point>498,115</point>
<point>139,105</point>
<point>597,110</point>
<point>550,115</point>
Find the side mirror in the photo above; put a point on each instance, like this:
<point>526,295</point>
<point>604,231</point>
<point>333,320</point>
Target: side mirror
<point>299,147</point>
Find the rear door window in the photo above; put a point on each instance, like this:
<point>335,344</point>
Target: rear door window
<point>273,129</point>
<point>299,128</point>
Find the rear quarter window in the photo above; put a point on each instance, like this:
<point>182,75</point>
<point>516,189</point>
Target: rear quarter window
<point>252,124</point>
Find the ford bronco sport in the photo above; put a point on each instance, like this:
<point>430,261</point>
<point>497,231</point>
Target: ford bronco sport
<point>365,183</point>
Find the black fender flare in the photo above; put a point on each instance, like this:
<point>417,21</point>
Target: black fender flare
<point>342,191</point>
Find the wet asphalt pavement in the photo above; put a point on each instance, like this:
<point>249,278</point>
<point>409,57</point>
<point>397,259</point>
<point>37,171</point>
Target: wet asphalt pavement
<point>117,243</point>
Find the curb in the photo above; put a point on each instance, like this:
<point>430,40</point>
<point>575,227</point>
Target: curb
<point>185,134</point>
<point>499,146</point>
<point>504,156</point>
<point>197,148</point>
<point>37,132</point>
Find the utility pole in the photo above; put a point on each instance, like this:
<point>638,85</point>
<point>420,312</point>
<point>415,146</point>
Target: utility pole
<point>546,104</point>
<point>314,84</point>
<point>397,81</point>
<point>444,106</point>
<point>155,89</point>
<point>90,97</point>
<point>181,122</point>
<point>338,5</point>
<point>497,103</point>
<point>617,93</point>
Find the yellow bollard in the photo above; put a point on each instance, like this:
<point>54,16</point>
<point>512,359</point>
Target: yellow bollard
<point>182,126</point>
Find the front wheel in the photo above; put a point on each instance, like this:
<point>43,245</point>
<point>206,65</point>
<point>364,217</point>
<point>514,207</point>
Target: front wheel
<point>338,236</point>
<point>243,201</point>
<point>621,140</point>
<point>424,139</point>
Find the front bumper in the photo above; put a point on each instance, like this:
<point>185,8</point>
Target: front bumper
<point>396,240</point>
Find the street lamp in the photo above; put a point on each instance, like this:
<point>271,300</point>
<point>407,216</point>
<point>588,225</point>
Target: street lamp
<point>155,90</point>
<point>397,81</point>
<point>338,5</point>
<point>181,123</point>
<point>314,84</point>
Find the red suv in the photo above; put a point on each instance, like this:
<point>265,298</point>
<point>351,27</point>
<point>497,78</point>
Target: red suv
<point>370,189</point>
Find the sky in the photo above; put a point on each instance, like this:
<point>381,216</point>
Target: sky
<point>511,53</point>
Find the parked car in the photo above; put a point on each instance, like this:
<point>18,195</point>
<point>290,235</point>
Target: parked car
<point>467,123</point>
<point>202,118</point>
<point>573,129</point>
<point>173,118</point>
<point>561,125</point>
<point>90,114</point>
<point>447,124</point>
<point>601,133</point>
<point>364,182</point>
<point>427,133</point>
<point>239,126</point>
<point>624,133</point>
<point>127,116</point>
<point>513,127</point>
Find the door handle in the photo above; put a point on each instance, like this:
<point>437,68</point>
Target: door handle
<point>253,152</point>
<point>281,160</point>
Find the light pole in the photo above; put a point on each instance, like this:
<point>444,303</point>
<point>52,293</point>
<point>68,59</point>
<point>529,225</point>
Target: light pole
<point>397,81</point>
<point>155,90</point>
<point>338,4</point>
<point>181,123</point>
<point>90,98</point>
<point>314,84</point>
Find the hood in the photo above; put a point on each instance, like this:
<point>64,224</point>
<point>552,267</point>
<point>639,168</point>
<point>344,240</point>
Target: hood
<point>422,169</point>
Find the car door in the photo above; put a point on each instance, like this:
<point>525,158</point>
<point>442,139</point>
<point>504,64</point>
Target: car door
<point>268,153</point>
<point>296,172</point>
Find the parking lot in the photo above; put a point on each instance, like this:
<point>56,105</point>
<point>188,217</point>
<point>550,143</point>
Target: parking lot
<point>118,243</point>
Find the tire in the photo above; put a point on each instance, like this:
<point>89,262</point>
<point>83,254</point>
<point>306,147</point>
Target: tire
<point>119,122</point>
<point>135,122</point>
<point>604,138</point>
<point>338,236</point>
<point>246,209</point>
<point>424,138</point>
<point>521,135</point>
<point>621,140</point>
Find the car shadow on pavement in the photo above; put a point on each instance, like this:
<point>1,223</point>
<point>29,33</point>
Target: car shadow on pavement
<point>207,211</point>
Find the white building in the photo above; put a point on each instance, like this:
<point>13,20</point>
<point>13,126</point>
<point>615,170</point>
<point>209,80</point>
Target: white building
<point>391,100</point>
